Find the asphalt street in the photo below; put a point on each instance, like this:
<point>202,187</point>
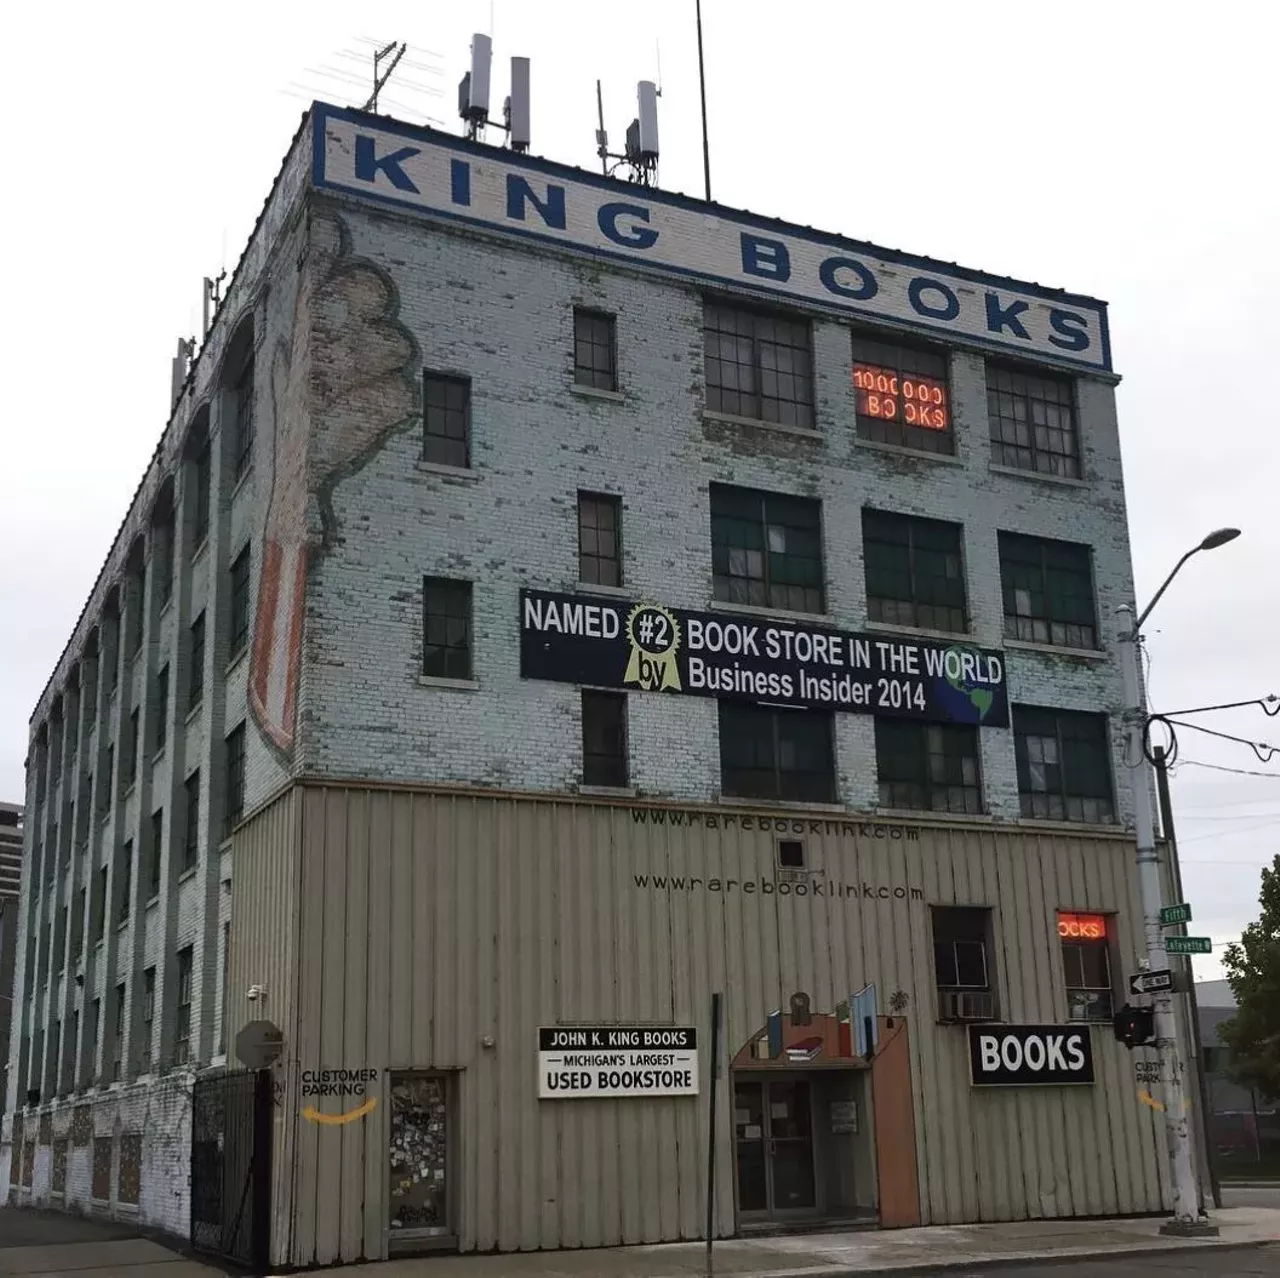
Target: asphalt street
<point>1247,1262</point>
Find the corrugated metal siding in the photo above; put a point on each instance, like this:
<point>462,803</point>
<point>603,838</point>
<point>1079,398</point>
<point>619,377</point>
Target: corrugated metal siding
<point>265,905</point>
<point>431,921</point>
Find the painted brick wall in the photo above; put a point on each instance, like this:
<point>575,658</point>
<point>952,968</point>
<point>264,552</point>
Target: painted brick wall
<point>502,314</point>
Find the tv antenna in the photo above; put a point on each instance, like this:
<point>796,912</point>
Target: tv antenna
<point>380,79</point>
<point>641,150</point>
<point>473,96</point>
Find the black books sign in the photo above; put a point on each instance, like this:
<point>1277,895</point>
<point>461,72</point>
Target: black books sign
<point>1030,1055</point>
<point>615,644</point>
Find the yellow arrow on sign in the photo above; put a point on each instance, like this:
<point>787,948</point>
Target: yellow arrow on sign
<point>313,1115</point>
<point>1147,1099</point>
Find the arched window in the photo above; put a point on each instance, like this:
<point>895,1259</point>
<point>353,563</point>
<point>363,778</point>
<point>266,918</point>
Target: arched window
<point>238,406</point>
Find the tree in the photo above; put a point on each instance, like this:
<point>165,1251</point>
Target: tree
<point>1252,1035</point>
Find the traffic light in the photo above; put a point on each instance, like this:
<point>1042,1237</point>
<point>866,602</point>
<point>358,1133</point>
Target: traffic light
<point>1135,1025</point>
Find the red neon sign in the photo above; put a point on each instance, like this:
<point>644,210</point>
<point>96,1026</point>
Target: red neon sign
<point>1082,927</point>
<point>909,397</point>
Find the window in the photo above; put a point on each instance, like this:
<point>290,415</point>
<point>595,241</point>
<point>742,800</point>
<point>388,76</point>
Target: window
<point>1064,766</point>
<point>791,854</point>
<point>182,1017</point>
<point>604,738</point>
<point>1032,421</point>
<point>932,767</point>
<point>95,1038</point>
<point>766,549</point>
<point>595,349</point>
<point>117,1046</point>
<point>961,945</point>
<point>195,684</point>
<point>759,364</point>
<point>767,753</point>
<point>1086,964</point>
<point>202,475</point>
<point>162,539</point>
<point>77,925</point>
<point>60,939</point>
<point>69,1060</point>
<point>148,1019</point>
<point>915,572</point>
<point>125,896</point>
<point>157,851</point>
<point>99,906</point>
<point>226,971</point>
<point>243,394</point>
<point>239,603</point>
<point>599,551</point>
<point>1048,591</point>
<point>446,418</point>
<point>902,396</point>
<point>446,628</point>
<point>191,837</point>
<point>235,778</point>
<point>134,746</point>
<point>162,708</point>
<point>108,778</point>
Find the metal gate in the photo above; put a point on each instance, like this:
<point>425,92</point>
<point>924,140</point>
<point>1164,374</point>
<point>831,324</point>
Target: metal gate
<point>231,1166</point>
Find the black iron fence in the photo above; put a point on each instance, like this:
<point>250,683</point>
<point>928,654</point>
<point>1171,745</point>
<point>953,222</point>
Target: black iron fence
<point>231,1166</point>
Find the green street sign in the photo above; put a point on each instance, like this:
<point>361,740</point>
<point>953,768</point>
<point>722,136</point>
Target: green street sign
<point>1175,914</point>
<point>1188,945</point>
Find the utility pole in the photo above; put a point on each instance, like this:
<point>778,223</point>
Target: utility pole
<point>702,87</point>
<point>1193,1008</point>
<point>1186,1220</point>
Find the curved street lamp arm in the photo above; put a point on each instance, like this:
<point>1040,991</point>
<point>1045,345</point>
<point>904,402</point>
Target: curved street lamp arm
<point>1146,612</point>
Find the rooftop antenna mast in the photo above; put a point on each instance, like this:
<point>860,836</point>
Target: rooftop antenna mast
<point>212,299</point>
<point>380,80</point>
<point>702,89</point>
<point>473,97</point>
<point>641,153</point>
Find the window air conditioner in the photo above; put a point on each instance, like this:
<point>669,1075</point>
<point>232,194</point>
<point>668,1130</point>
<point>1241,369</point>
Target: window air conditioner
<point>966,1005</point>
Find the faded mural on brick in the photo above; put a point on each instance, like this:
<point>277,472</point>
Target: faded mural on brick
<point>341,381</point>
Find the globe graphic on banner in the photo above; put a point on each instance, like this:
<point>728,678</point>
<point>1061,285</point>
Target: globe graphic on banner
<point>965,699</point>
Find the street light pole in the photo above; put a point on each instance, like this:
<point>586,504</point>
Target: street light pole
<point>1186,1219</point>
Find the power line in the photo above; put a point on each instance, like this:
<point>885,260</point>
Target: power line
<point>1218,767</point>
<point>1248,829</point>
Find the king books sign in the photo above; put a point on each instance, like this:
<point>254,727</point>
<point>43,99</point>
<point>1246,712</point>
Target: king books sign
<point>645,646</point>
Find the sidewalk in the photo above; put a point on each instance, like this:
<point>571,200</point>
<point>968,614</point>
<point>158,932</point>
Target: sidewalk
<point>832,1255</point>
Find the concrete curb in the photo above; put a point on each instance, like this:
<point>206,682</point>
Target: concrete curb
<point>1007,1260</point>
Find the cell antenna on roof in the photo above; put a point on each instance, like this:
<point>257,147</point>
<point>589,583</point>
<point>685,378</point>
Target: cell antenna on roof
<point>473,97</point>
<point>641,153</point>
<point>381,77</point>
<point>212,300</point>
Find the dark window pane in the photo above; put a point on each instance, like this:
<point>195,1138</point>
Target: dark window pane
<point>928,766</point>
<point>1032,422</point>
<point>202,479</point>
<point>235,778</point>
<point>191,842</point>
<point>446,628</point>
<point>1048,591</point>
<point>758,365</point>
<point>604,738</point>
<point>446,417</point>
<point>162,708</point>
<point>599,549</point>
<point>766,549</point>
<point>770,753</point>
<point>1064,764</point>
<point>243,396</point>
<point>195,684</point>
<point>914,570</point>
<point>594,350</point>
<point>240,603</point>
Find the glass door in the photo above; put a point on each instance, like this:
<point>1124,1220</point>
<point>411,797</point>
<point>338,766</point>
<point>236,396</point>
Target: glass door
<point>773,1135</point>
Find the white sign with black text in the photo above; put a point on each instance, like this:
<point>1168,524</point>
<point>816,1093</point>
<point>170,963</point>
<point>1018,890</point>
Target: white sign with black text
<point>580,1061</point>
<point>1030,1055</point>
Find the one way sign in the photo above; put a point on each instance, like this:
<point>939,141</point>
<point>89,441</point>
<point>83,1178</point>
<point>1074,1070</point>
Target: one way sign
<point>1150,982</point>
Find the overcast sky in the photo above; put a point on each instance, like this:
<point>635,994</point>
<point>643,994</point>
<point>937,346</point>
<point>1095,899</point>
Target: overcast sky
<point>1125,151</point>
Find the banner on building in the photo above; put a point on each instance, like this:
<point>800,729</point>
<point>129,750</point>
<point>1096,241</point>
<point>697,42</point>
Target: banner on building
<point>1030,1055</point>
<point>615,644</point>
<point>580,1061</point>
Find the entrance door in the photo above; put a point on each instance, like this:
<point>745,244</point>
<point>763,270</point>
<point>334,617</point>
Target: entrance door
<point>773,1131</point>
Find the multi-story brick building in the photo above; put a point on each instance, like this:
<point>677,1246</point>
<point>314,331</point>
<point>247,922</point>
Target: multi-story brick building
<point>554,602</point>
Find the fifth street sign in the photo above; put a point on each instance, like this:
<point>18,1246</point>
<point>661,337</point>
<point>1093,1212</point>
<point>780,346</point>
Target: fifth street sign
<point>1150,982</point>
<point>1172,914</point>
